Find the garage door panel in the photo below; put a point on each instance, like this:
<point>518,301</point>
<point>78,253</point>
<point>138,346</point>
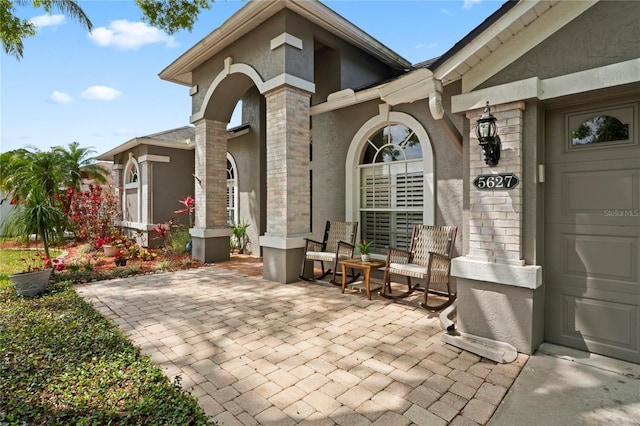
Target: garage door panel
<point>594,323</point>
<point>607,259</point>
<point>607,194</point>
<point>596,191</point>
<point>601,257</point>
<point>592,234</point>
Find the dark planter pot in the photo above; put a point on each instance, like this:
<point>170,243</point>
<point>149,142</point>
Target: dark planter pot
<point>31,283</point>
<point>121,262</point>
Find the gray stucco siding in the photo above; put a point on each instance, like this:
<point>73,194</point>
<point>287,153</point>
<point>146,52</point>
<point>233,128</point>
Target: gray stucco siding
<point>605,34</point>
<point>172,182</point>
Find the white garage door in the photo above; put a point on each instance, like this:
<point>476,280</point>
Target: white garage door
<point>592,228</point>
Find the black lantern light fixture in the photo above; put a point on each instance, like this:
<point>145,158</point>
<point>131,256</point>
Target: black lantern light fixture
<point>487,134</point>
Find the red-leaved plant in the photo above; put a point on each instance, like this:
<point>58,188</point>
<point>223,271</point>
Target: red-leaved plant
<point>39,261</point>
<point>91,212</point>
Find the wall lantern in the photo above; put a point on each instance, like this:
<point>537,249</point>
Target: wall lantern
<point>487,134</point>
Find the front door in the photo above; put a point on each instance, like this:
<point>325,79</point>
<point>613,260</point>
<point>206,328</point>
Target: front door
<point>592,228</point>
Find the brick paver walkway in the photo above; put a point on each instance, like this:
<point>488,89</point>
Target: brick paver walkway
<point>258,352</point>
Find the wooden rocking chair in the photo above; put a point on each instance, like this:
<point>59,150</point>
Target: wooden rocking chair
<point>428,258</point>
<point>338,244</point>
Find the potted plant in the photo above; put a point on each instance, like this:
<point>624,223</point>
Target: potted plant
<point>364,247</point>
<point>120,259</point>
<point>35,277</point>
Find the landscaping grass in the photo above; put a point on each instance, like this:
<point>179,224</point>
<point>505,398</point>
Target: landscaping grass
<point>61,363</point>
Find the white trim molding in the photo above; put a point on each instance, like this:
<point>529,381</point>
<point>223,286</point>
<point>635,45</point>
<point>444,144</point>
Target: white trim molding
<point>527,276</point>
<point>554,87</point>
<point>283,243</point>
<point>210,232</point>
<point>154,158</point>
<point>288,39</point>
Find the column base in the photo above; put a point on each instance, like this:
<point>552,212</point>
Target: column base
<point>210,245</point>
<point>500,302</point>
<point>281,258</point>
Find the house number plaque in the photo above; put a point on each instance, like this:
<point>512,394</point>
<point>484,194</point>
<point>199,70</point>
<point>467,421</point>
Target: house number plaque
<point>496,182</point>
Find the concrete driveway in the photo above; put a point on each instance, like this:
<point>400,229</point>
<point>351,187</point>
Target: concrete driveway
<point>259,352</point>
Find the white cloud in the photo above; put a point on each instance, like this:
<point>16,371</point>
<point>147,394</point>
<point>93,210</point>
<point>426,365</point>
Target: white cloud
<point>468,4</point>
<point>47,20</point>
<point>129,35</point>
<point>101,93</point>
<point>60,97</point>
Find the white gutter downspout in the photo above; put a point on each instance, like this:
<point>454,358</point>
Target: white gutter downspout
<point>494,350</point>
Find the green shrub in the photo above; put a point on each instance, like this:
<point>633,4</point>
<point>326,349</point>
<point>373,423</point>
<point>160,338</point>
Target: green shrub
<point>61,362</point>
<point>177,241</point>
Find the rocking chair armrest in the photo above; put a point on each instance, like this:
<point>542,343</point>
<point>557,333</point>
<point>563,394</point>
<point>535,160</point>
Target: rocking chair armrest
<point>395,255</point>
<point>313,245</point>
<point>345,249</point>
<point>439,256</point>
<point>439,261</point>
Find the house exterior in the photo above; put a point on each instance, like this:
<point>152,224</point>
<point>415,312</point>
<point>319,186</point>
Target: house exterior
<point>339,127</point>
<point>151,174</point>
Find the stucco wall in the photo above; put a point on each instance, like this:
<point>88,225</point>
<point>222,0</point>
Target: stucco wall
<point>172,182</point>
<point>356,68</point>
<point>248,151</point>
<point>605,34</point>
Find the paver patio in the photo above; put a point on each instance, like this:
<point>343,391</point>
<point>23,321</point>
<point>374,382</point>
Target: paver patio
<point>259,352</point>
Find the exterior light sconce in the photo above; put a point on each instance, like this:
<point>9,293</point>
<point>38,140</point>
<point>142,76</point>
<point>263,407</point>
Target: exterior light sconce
<point>487,134</point>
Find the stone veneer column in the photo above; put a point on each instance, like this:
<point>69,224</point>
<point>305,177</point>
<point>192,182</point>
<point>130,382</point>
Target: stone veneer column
<point>288,193</point>
<point>211,234</point>
<point>499,297</point>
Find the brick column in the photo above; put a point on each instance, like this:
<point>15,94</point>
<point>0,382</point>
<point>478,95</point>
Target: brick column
<point>288,192</point>
<point>210,234</point>
<point>499,297</point>
<point>495,225</point>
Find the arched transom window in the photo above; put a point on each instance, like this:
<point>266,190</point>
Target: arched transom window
<point>391,175</point>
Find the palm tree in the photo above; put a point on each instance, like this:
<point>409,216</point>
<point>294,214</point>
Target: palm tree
<point>32,178</point>
<point>14,29</point>
<point>78,162</point>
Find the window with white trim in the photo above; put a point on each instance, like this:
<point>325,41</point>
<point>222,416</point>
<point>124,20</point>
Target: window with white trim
<point>232,192</point>
<point>391,175</point>
<point>131,193</point>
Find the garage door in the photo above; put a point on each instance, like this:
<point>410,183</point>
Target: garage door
<point>592,228</point>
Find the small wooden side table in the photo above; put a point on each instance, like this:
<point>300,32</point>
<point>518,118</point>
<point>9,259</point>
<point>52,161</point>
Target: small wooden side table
<point>365,267</point>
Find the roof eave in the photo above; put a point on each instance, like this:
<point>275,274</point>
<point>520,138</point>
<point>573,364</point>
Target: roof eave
<point>256,12</point>
<point>132,143</point>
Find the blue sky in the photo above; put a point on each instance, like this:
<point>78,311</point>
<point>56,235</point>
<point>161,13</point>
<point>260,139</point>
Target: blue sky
<point>102,89</point>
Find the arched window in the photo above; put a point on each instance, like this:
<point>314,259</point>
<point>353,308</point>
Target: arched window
<point>391,186</point>
<point>232,191</point>
<point>131,193</point>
